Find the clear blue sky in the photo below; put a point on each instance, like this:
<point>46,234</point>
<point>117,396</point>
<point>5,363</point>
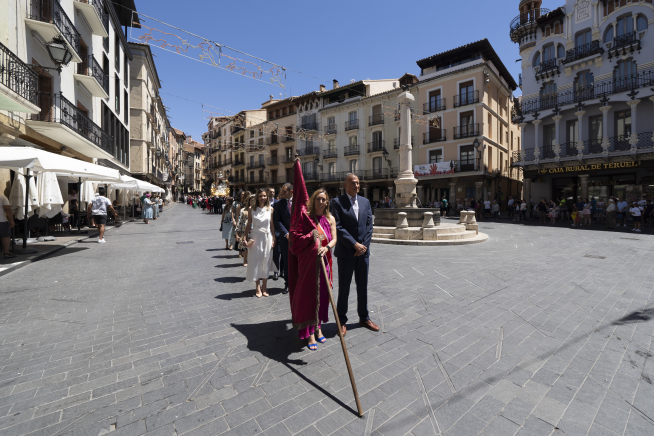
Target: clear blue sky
<point>340,40</point>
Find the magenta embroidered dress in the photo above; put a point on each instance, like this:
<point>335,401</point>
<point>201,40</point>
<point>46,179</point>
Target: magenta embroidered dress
<point>324,229</point>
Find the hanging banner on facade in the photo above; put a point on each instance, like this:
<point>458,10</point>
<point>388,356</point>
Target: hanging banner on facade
<point>433,169</point>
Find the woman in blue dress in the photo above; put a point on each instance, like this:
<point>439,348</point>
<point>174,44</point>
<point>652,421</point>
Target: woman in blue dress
<point>229,223</point>
<point>147,209</point>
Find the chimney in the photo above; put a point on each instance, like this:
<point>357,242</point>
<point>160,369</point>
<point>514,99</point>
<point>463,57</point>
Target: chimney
<point>322,88</point>
<point>271,97</point>
<point>335,84</point>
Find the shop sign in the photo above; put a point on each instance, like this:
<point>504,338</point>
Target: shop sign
<point>594,167</point>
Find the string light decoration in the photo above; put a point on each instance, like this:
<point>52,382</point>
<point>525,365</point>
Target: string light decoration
<point>206,51</point>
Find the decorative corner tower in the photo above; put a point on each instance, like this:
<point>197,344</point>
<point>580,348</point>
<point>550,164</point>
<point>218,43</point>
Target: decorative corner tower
<point>523,27</point>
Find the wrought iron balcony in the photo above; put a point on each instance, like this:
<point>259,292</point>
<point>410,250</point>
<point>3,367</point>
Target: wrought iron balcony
<point>373,120</point>
<point>238,162</point>
<point>309,126</point>
<point>330,129</point>
<point>548,68</point>
<point>435,135</point>
<point>51,12</point>
<point>93,11</point>
<point>274,160</point>
<point>273,140</point>
<point>525,23</point>
<point>466,131</point>
<point>597,90</point>
<point>330,153</point>
<point>628,41</point>
<point>89,67</point>
<point>18,77</point>
<point>351,125</point>
<point>287,159</point>
<point>57,109</point>
<point>288,138</point>
<point>331,177</point>
<point>255,165</point>
<point>310,175</point>
<point>583,51</point>
<point>376,146</point>
<point>435,106</point>
<point>376,174</point>
<point>351,151</point>
<point>308,150</point>
<point>466,98</point>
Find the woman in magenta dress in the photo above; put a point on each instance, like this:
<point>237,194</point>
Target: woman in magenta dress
<point>318,211</point>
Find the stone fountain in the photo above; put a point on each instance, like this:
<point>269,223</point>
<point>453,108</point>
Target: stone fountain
<point>407,224</point>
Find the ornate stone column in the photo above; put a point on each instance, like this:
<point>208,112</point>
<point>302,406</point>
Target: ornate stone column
<point>478,188</point>
<point>453,194</point>
<point>605,130</point>
<point>536,140</point>
<point>580,130</point>
<point>584,185</point>
<point>557,146</point>
<point>406,182</point>
<point>633,139</point>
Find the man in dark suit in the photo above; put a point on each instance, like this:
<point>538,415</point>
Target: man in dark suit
<point>353,216</point>
<point>282,222</point>
<point>276,250</point>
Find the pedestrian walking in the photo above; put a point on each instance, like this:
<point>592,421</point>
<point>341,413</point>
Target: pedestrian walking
<point>610,214</point>
<point>241,226</point>
<point>97,213</point>
<point>636,214</point>
<point>261,231</point>
<point>282,221</point>
<point>318,211</point>
<point>6,224</point>
<point>228,224</point>
<point>148,208</point>
<point>542,211</point>
<point>622,212</point>
<point>353,216</point>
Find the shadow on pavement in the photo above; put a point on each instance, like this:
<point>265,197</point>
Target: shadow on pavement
<point>273,340</point>
<point>228,265</point>
<point>230,279</point>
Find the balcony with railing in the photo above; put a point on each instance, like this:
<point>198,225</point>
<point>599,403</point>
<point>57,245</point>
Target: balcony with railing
<point>547,68</point>
<point>466,131</point>
<point>48,19</point>
<point>64,122</point>
<point>396,143</point>
<point>287,159</point>
<point>258,177</point>
<point>351,150</point>
<point>592,148</point>
<point>18,83</point>
<point>253,165</point>
<point>273,160</point>
<point>330,129</point>
<point>623,44</point>
<point>330,153</point>
<point>608,87</point>
<point>434,135</point>
<point>309,126</point>
<point>311,175</point>
<point>525,23</point>
<point>376,119</point>
<point>351,125</point>
<point>238,162</point>
<point>376,146</point>
<point>308,150</point>
<point>583,51</point>
<point>288,138</point>
<point>466,98</point>
<point>331,177</point>
<point>378,174</point>
<point>93,11</point>
<point>273,140</point>
<point>434,106</point>
<point>90,74</point>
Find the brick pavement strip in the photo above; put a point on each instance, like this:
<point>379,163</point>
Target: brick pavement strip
<point>145,336</point>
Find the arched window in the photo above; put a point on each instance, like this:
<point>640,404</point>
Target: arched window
<point>561,51</point>
<point>557,28</point>
<point>641,23</point>
<point>608,36</point>
<point>549,53</point>
<point>583,37</point>
<point>583,86</point>
<point>625,25</point>
<point>537,60</point>
<point>624,75</point>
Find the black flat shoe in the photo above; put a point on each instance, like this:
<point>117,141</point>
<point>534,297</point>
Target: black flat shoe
<point>285,291</point>
<point>275,276</point>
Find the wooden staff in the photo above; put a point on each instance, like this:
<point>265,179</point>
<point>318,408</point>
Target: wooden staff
<point>340,334</point>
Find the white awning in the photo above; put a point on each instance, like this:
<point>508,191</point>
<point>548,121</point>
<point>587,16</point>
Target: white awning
<point>42,161</point>
<point>133,184</point>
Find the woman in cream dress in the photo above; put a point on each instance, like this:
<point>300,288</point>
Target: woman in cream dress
<point>260,237</point>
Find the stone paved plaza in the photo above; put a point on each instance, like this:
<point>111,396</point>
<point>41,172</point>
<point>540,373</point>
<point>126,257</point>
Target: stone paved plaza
<point>539,331</point>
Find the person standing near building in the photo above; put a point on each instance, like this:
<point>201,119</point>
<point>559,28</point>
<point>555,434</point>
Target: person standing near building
<point>636,214</point>
<point>610,214</point>
<point>282,221</point>
<point>510,206</point>
<point>97,212</point>
<point>260,237</point>
<point>622,212</point>
<point>276,253</point>
<point>6,224</point>
<point>353,216</point>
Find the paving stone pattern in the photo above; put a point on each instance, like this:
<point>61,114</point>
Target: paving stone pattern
<point>524,334</point>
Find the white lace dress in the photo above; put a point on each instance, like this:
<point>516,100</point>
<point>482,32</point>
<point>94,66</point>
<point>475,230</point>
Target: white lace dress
<point>260,263</point>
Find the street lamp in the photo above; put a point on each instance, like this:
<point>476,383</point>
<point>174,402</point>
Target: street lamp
<point>59,52</point>
<point>316,161</point>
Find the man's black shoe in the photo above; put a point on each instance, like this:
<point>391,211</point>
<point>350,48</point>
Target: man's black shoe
<point>285,291</point>
<point>275,276</point>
